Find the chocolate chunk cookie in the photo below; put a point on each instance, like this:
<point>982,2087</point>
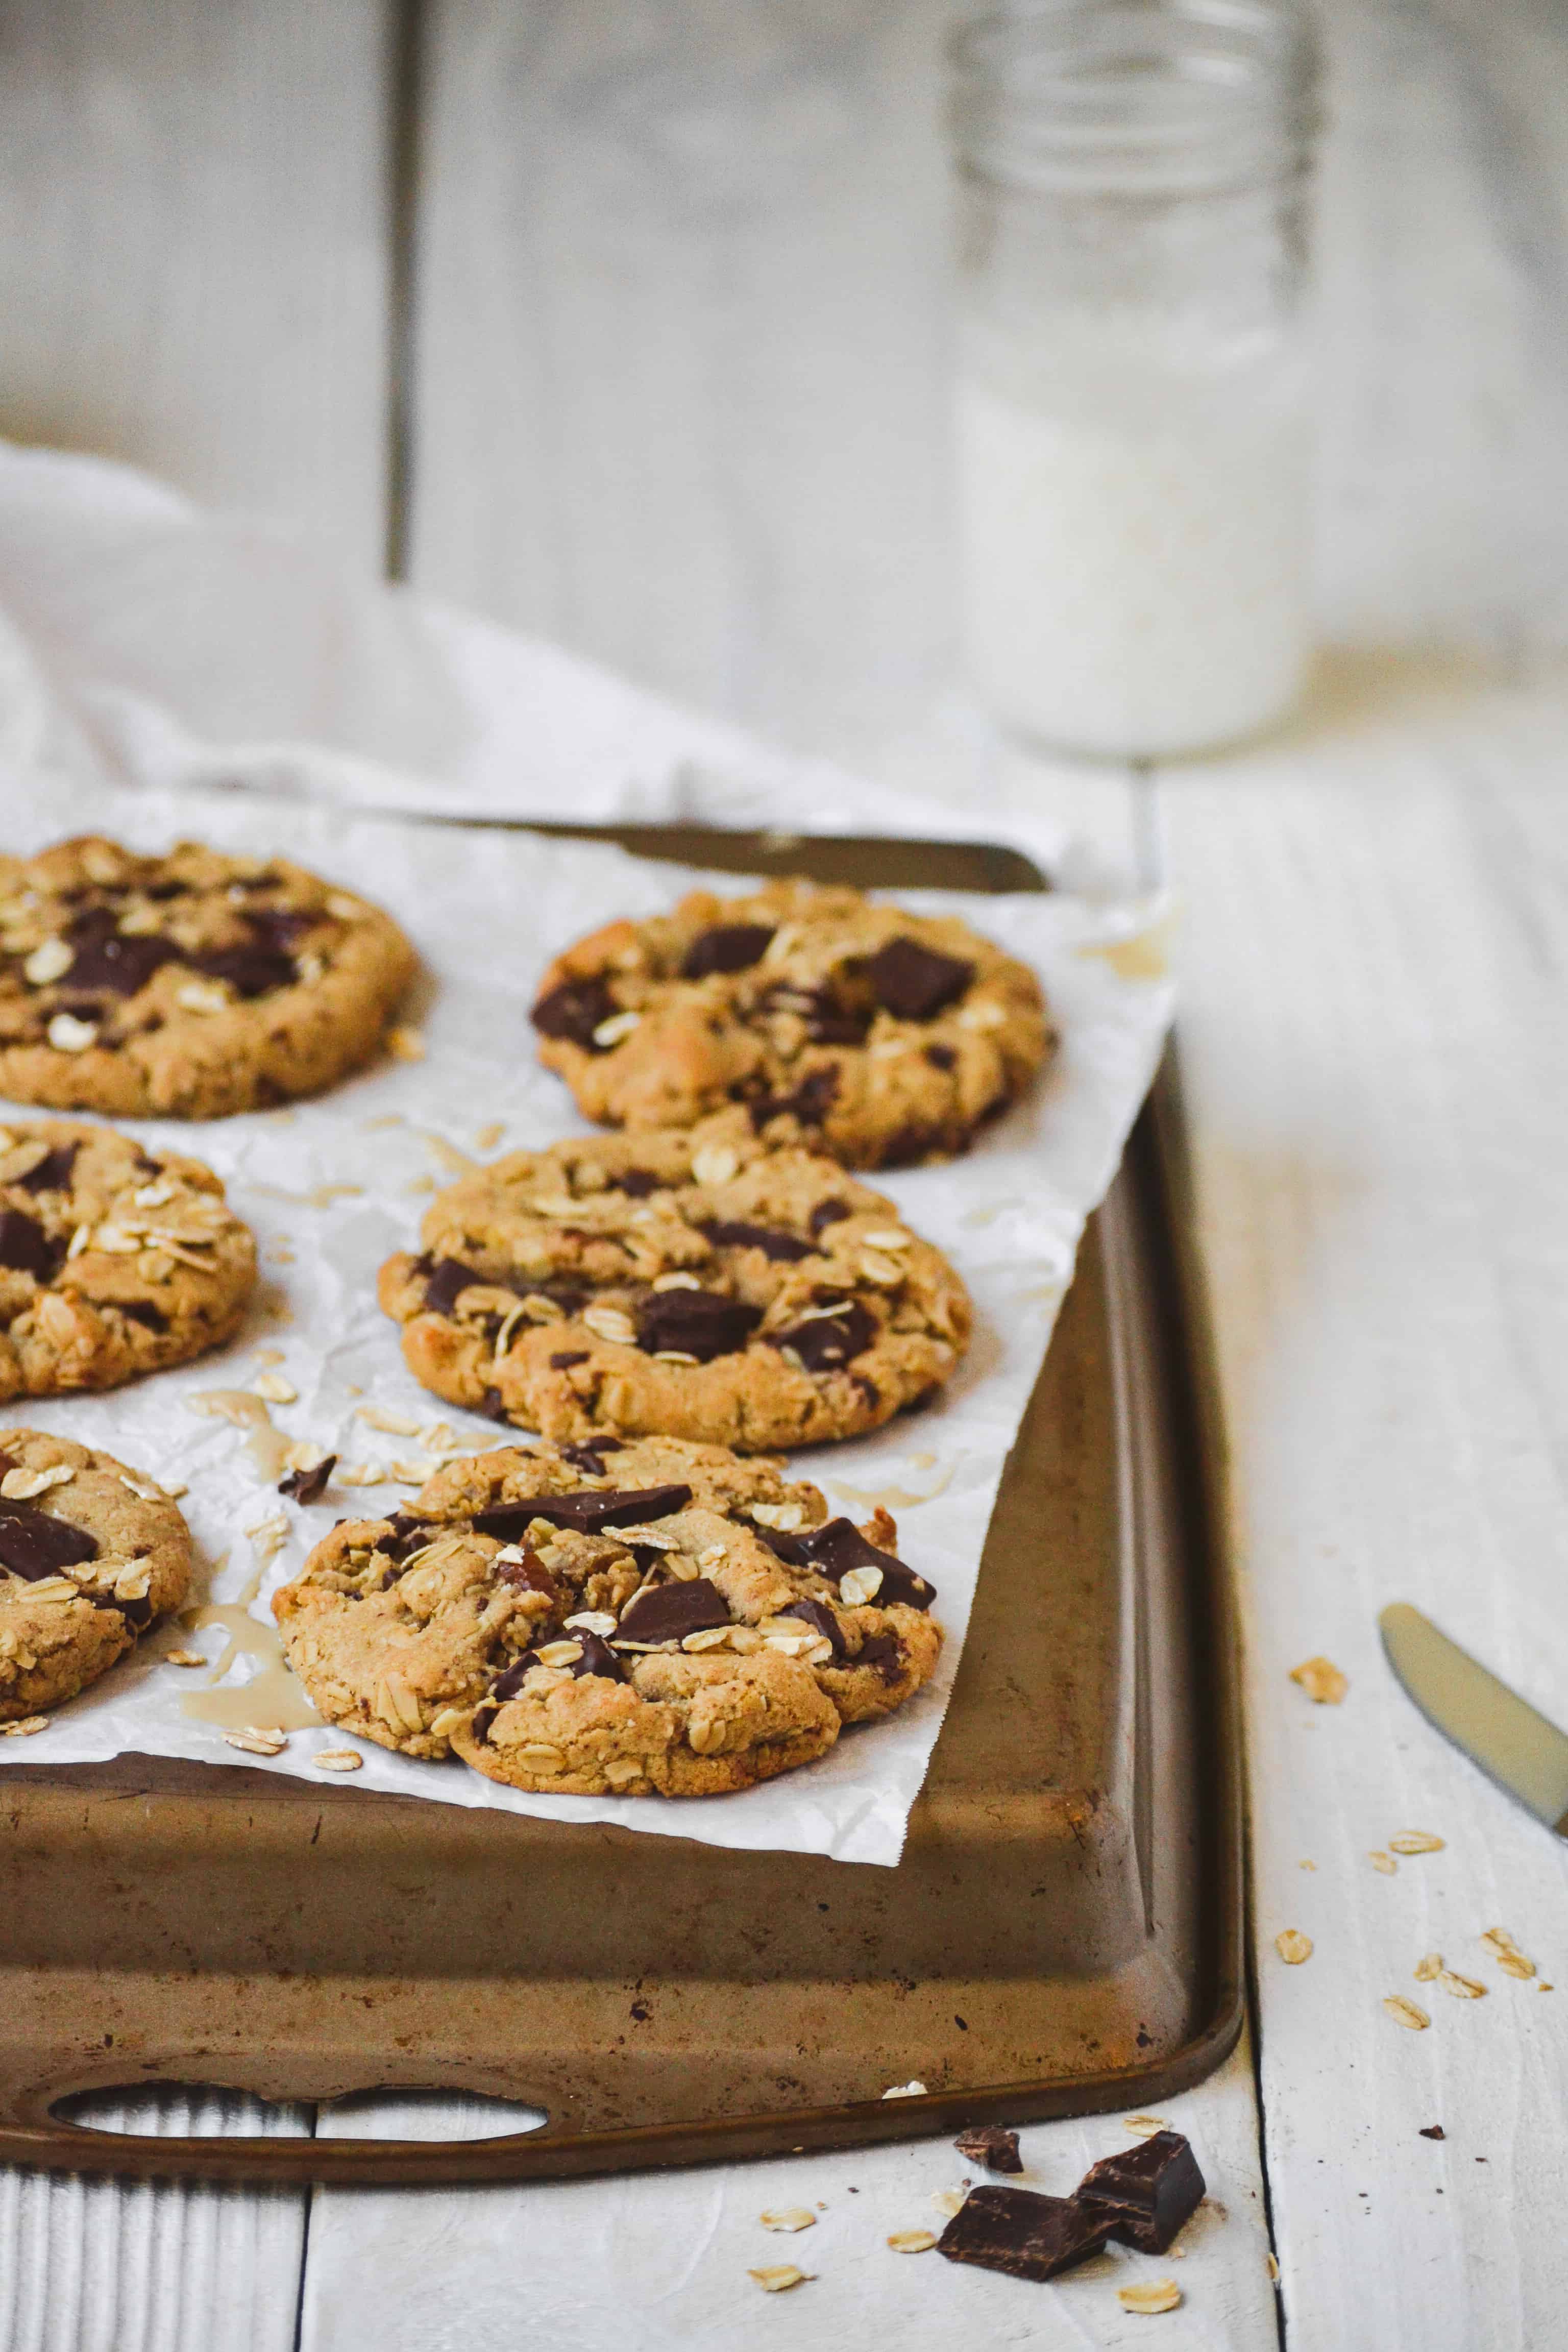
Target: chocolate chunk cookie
<point>187,986</point>
<point>90,1553</point>
<point>114,1259</point>
<point>878,1036</point>
<point>694,1284</point>
<point>655,1618</point>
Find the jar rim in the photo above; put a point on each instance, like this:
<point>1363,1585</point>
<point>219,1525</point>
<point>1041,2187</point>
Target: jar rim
<point>1136,97</point>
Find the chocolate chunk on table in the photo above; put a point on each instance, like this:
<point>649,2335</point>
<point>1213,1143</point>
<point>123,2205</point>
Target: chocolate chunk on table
<point>1145,2194</point>
<point>1026,2235</point>
<point>990,2145</point>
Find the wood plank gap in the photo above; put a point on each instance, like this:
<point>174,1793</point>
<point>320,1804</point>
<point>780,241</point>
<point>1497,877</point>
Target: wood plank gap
<point>405,82</point>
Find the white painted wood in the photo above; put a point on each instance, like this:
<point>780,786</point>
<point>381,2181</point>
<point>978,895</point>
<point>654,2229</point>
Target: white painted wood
<point>193,247</point>
<point>112,2266</point>
<point>660,2261</point>
<point>1377,1067</point>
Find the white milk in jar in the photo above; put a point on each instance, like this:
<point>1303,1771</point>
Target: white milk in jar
<point>1131,420</point>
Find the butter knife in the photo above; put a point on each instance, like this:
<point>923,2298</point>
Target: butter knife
<point>1495,1727</point>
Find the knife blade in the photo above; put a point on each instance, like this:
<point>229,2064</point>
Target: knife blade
<point>1496,1728</point>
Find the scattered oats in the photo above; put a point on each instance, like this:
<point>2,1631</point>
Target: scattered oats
<point>540,1758</point>
<point>360,1474</point>
<point>1163,2295</point>
<point>883,1271</point>
<point>405,1043</point>
<point>53,1588</point>
<point>267,1536</point>
<point>381,1416</point>
<point>1383,1862</point>
<point>676,1282</point>
<point>69,1036</point>
<point>887,1049</point>
<point>949,2201</point>
<point>1143,2126</point>
<point>202,996</point>
<point>653,1536</point>
<point>618,1025</point>
<point>346,909</point>
<point>21,1486</point>
<point>783,1517</point>
<point>887,1240</point>
<point>1507,1954</point>
<point>81,1239</point>
<point>815,1314</point>
<point>589,1620</point>
<point>173,1488</point>
<point>744,1640</point>
<point>509,1323</point>
<point>338,1760</point>
<point>184,1658</point>
<point>413,1469</point>
<point>777,2278</point>
<point>787,2217</point>
<point>134,1581</point>
<point>709,1637</point>
<point>714,1164</point>
<point>789,1645</point>
<point>25,1728</point>
<point>48,962</point>
<point>674,1356</point>
<point>143,1492</point>
<point>1462,1988</point>
<point>1292,1947</point>
<point>714,1557</point>
<point>1405,2012</point>
<point>560,1653</point>
<point>620,1771</point>
<point>1321,1680</point>
<point>490,1135</point>
<point>154,1196</point>
<point>443,1724</point>
<point>906,2091</point>
<point>912,2241</point>
<point>859,1585</point>
<point>1416,1842</point>
<point>609,1323</point>
<point>421,1184</point>
<point>254,1743</point>
<point>275,1389</point>
<point>1427,1971</point>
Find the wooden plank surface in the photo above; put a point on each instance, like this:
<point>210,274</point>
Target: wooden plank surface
<point>192,247</point>
<point>1377,1069</point>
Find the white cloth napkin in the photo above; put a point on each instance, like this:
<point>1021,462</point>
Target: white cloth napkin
<point>145,645</point>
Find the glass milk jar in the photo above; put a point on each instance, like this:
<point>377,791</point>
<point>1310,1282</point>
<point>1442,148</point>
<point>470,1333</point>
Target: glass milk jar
<point>1131,413</point>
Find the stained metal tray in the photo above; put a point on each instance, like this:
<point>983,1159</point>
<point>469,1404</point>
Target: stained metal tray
<point>1063,1934</point>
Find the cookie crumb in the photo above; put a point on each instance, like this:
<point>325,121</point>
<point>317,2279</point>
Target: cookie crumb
<point>1293,1946</point>
<point>777,2278</point>
<point>184,1658</point>
<point>1321,1680</point>
<point>787,2217</point>
<point>905,2090</point>
<point>405,1043</point>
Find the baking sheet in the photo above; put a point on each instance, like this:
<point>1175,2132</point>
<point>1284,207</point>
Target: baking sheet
<point>332,1187</point>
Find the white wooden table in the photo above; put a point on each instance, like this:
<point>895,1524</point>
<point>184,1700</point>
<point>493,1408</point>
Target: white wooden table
<point>626,322</point>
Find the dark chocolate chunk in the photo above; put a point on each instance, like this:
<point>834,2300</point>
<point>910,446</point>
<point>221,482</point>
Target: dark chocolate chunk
<point>573,1011</point>
<point>810,1103</point>
<point>990,2145</point>
<point>697,1322</point>
<point>32,1544</point>
<point>405,1534</point>
<point>825,1214</point>
<point>492,1405</point>
<point>1026,2235</point>
<point>53,1172</point>
<point>446,1284</point>
<point>733,1232</point>
<point>728,947</point>
<point>590,1454</point>
<point>839,1545</point>
<point>914,982</point>
<point>307,1485</point>
<point>26,1247</point>
<point>135,1612</point>
<point>162,891</point>
<point>940,1058</point>
<point>249,971</point>
<point>565,1357</point>
<point>882,1651</point>
<point>830,1341</point>
<point>788,1549</point>
<point>528,1574</point>
<point>636,1182</point>
<point>1144,2195</point>
<point>668,1612</point>
<point>142,1310</point>
<point>107,957</point>
<point>597,1658</point>
<point>818,1614</point>
<point>590,1510</point>
<point>280,927</point>
<point>912,1143</point>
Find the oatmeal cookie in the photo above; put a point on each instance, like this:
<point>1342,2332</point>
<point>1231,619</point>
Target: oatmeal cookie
<point>655,1618</point>
<point>185,986</point>
<point>114,1259</point>
<point>692,1284</point>
<point>90,1553</point>
<point>879,1036</point>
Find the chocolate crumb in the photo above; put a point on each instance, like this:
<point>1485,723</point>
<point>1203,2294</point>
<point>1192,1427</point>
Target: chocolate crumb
<point>1433,2131</point>
<point>990,2145</point>
<point>307,1485</point>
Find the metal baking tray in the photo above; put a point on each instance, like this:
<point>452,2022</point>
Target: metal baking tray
<point>1063,1934</point>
